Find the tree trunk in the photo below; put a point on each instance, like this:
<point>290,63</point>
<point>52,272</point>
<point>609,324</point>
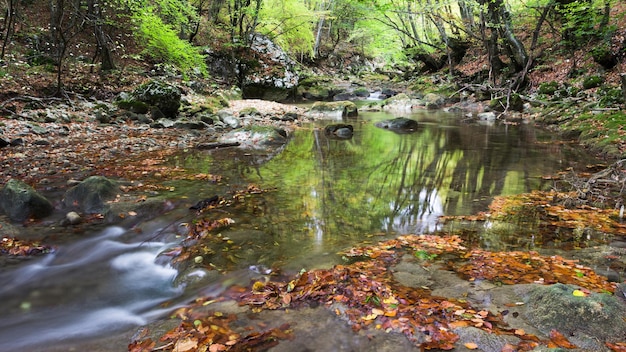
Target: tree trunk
<point>623,79</point>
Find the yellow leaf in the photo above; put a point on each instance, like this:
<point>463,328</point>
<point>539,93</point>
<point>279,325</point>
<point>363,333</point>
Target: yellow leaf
<point>578,293</point>
<point>471,345</point>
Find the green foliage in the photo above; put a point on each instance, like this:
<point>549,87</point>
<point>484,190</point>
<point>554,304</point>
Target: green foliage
<point>163,44</point>
<point>290,24</point>
<point>424,255</point>
<point>378,41</point>
<point>580,20</point>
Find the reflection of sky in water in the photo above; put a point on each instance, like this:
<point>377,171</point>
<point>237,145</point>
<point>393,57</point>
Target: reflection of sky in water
<point>408,221</point>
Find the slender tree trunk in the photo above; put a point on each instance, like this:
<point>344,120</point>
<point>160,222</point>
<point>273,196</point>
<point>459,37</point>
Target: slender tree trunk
<point>9,25</point>
<point>467,15</point>
<point>94,16</point>
<point>318,37</point>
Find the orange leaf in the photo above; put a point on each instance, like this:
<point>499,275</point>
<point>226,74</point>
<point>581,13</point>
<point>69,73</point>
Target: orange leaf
<point>471,345</point>
<point>458,324</point>
<point>560,340</point>
<point>617,347</point>
<point>391,313</point>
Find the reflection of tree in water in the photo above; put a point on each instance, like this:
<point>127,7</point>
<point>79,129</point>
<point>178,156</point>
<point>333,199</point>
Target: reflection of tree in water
<point>329,191</point>
<point>433,172</point>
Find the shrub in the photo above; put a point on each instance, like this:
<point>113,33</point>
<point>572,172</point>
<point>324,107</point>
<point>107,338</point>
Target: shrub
<point>163,44</point>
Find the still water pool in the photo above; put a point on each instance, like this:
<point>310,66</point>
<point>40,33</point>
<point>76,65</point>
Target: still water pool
<point>321,195</point>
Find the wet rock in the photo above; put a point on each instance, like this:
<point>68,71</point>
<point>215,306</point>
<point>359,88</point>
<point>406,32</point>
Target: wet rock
<point>411,275</point>
<point>337,109</point>
<point>255,138</point>
<point>73,218</point>
<point>17,141</point>
<point>339,131</point>
<point>587,321</point>
<point>487,342</point>
<point>4,143</point>
<point>399,124</point>
<point>402,103</point>
<point>21,202</point>
<point>91,195</point>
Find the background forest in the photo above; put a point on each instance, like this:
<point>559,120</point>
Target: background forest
<point>498,42</point>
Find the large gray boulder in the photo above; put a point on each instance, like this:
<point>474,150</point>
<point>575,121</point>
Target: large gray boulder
<point>91,195</point>
<point>403,103</point>
<point>152,94</point>
<point>273,77</point>
<point>260,137</point>
<point>583,320</point>
<point>21,202</point>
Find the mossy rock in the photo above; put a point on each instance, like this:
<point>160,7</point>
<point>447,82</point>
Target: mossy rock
<point>362,92</point>
<point>160,94</point>
<point>584,320</point>
<point>21,202</point>
<point>92,195</point>
<point>318,92</point>
<point>592,82</point>
<point>335,108</point>
<point>249,111</point>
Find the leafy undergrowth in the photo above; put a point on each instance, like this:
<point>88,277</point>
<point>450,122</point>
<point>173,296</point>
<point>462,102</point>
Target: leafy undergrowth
<point>366,294</point>
<point>601,131</point>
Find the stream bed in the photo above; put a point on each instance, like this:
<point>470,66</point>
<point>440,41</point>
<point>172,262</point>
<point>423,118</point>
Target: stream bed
<point>320,195</point>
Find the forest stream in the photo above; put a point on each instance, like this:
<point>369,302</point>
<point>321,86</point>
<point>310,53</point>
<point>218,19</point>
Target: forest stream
<point>319,196</point>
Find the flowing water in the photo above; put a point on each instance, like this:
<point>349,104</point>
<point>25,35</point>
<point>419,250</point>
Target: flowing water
<point>322,195</point>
